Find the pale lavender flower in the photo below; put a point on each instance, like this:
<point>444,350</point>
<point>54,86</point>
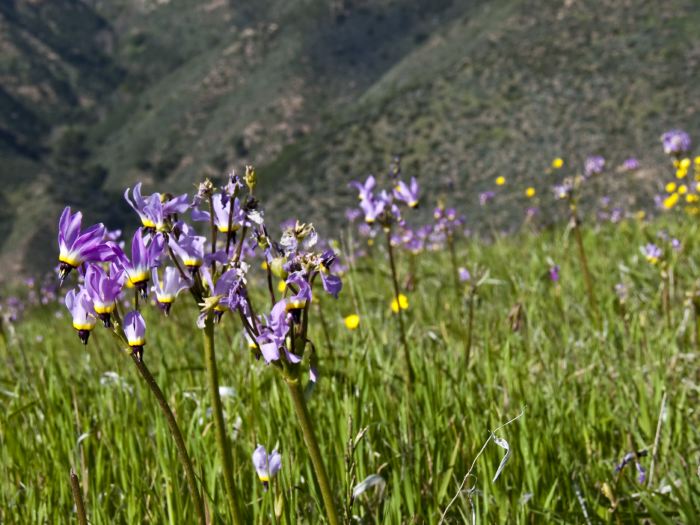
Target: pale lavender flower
<point>594,165</point>
<point>676,142</point>
<point>407,193</point>
<point>104,289</point>
<point>267,466</point>
<point>631,164</point>
<point>135,332</point>
<point>464,275</point>
<point>168,289</point>
<point>485,197</point>
<point>652,253</point>
<point>82,310</point>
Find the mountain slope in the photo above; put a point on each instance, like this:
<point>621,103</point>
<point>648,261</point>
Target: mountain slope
<point>316,93</point>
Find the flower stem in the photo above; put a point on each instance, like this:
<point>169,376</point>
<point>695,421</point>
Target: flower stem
<point>307,429</point>
<point>177,436</point>
<point>410,375</point>
<point>78,498</point>
<point>470,326</point>
<point>218,413</point>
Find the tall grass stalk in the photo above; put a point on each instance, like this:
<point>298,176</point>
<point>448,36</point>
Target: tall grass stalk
<point>219,423</point>
<point>410,373</point>
<point>307,429</point>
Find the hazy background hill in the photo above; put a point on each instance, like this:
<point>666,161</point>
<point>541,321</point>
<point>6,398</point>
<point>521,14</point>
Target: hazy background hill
<point>98,94</point>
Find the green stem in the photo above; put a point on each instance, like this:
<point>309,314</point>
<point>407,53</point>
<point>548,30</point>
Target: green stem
<point>78,498</point>
<point>307,429</point>
<point>470,327</point>
<point>177,436</point>
<point>217,410</point>
<point>410,374</point>
<point>453,260</point>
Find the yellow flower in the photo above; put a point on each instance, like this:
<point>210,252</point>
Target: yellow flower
<point>697,160</point>
<point>685,163</point>
<point>557,163</point>
<point>670,187</point>
<point>681,173</point>
<point>530,192</point>
<point>352,321</point>
<point>401,304</point>
<point>500,181</point>
<point>263,265</point>
<point>682,189</point>
<point>692,197</point>
<point>281,286</point>
<point>640,215</point>
<point>671,201</point>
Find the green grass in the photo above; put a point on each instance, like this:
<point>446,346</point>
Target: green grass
<point>588,396</point>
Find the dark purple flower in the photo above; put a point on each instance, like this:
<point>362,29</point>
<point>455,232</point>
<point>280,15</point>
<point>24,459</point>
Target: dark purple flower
<point>82,310</point>
<point>331,283</point>
<point>76,248</point>
<point>676,142</point>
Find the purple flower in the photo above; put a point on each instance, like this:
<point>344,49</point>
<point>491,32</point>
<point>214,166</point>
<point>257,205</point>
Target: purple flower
<point>652,253</point>
<point>485,197</point>
<point>629,458</point>
<point>189,248</point>
<point>407,193</point>
<point>676,142</point>
<point>224,213</point>
<point>464,275</point>
<point>563,190</point>
<point>152,210</point>
<point>274,334</point>
<point>145,255</point>
<point>352,214</point>
<point>372,208</point>
<point>630,164</point>
<point>81,308</point>
<point>267,466</point>
<point>76,248</point>
<point>365,189</point>
<point>331,283</point>
<point>594,165</point>
<point>104,289</point>
<point>168,289</point>
<point>554,273</point>
<point>135,332</point>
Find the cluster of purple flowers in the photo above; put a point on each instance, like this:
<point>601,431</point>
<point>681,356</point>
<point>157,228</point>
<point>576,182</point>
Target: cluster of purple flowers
<point>167,256</point>
<point>381,206</point>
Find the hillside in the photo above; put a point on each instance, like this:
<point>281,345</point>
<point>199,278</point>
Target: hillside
<point>96,95</point>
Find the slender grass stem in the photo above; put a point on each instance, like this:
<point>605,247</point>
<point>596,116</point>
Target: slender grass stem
<point>78,498</point>
<point>470,327</point>
<point>177,436</point>
<point>219,423</point>
<point>307,429</point>
<point>410,374</point>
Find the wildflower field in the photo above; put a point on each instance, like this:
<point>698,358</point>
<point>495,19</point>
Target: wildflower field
<point>405,372</point>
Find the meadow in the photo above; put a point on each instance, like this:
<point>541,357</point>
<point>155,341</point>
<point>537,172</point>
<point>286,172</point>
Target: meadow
<point>587,392</point>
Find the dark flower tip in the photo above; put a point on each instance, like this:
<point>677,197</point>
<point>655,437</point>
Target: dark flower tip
<point>138,352</point>
<point>106,320</point>
<point>84,335</point>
